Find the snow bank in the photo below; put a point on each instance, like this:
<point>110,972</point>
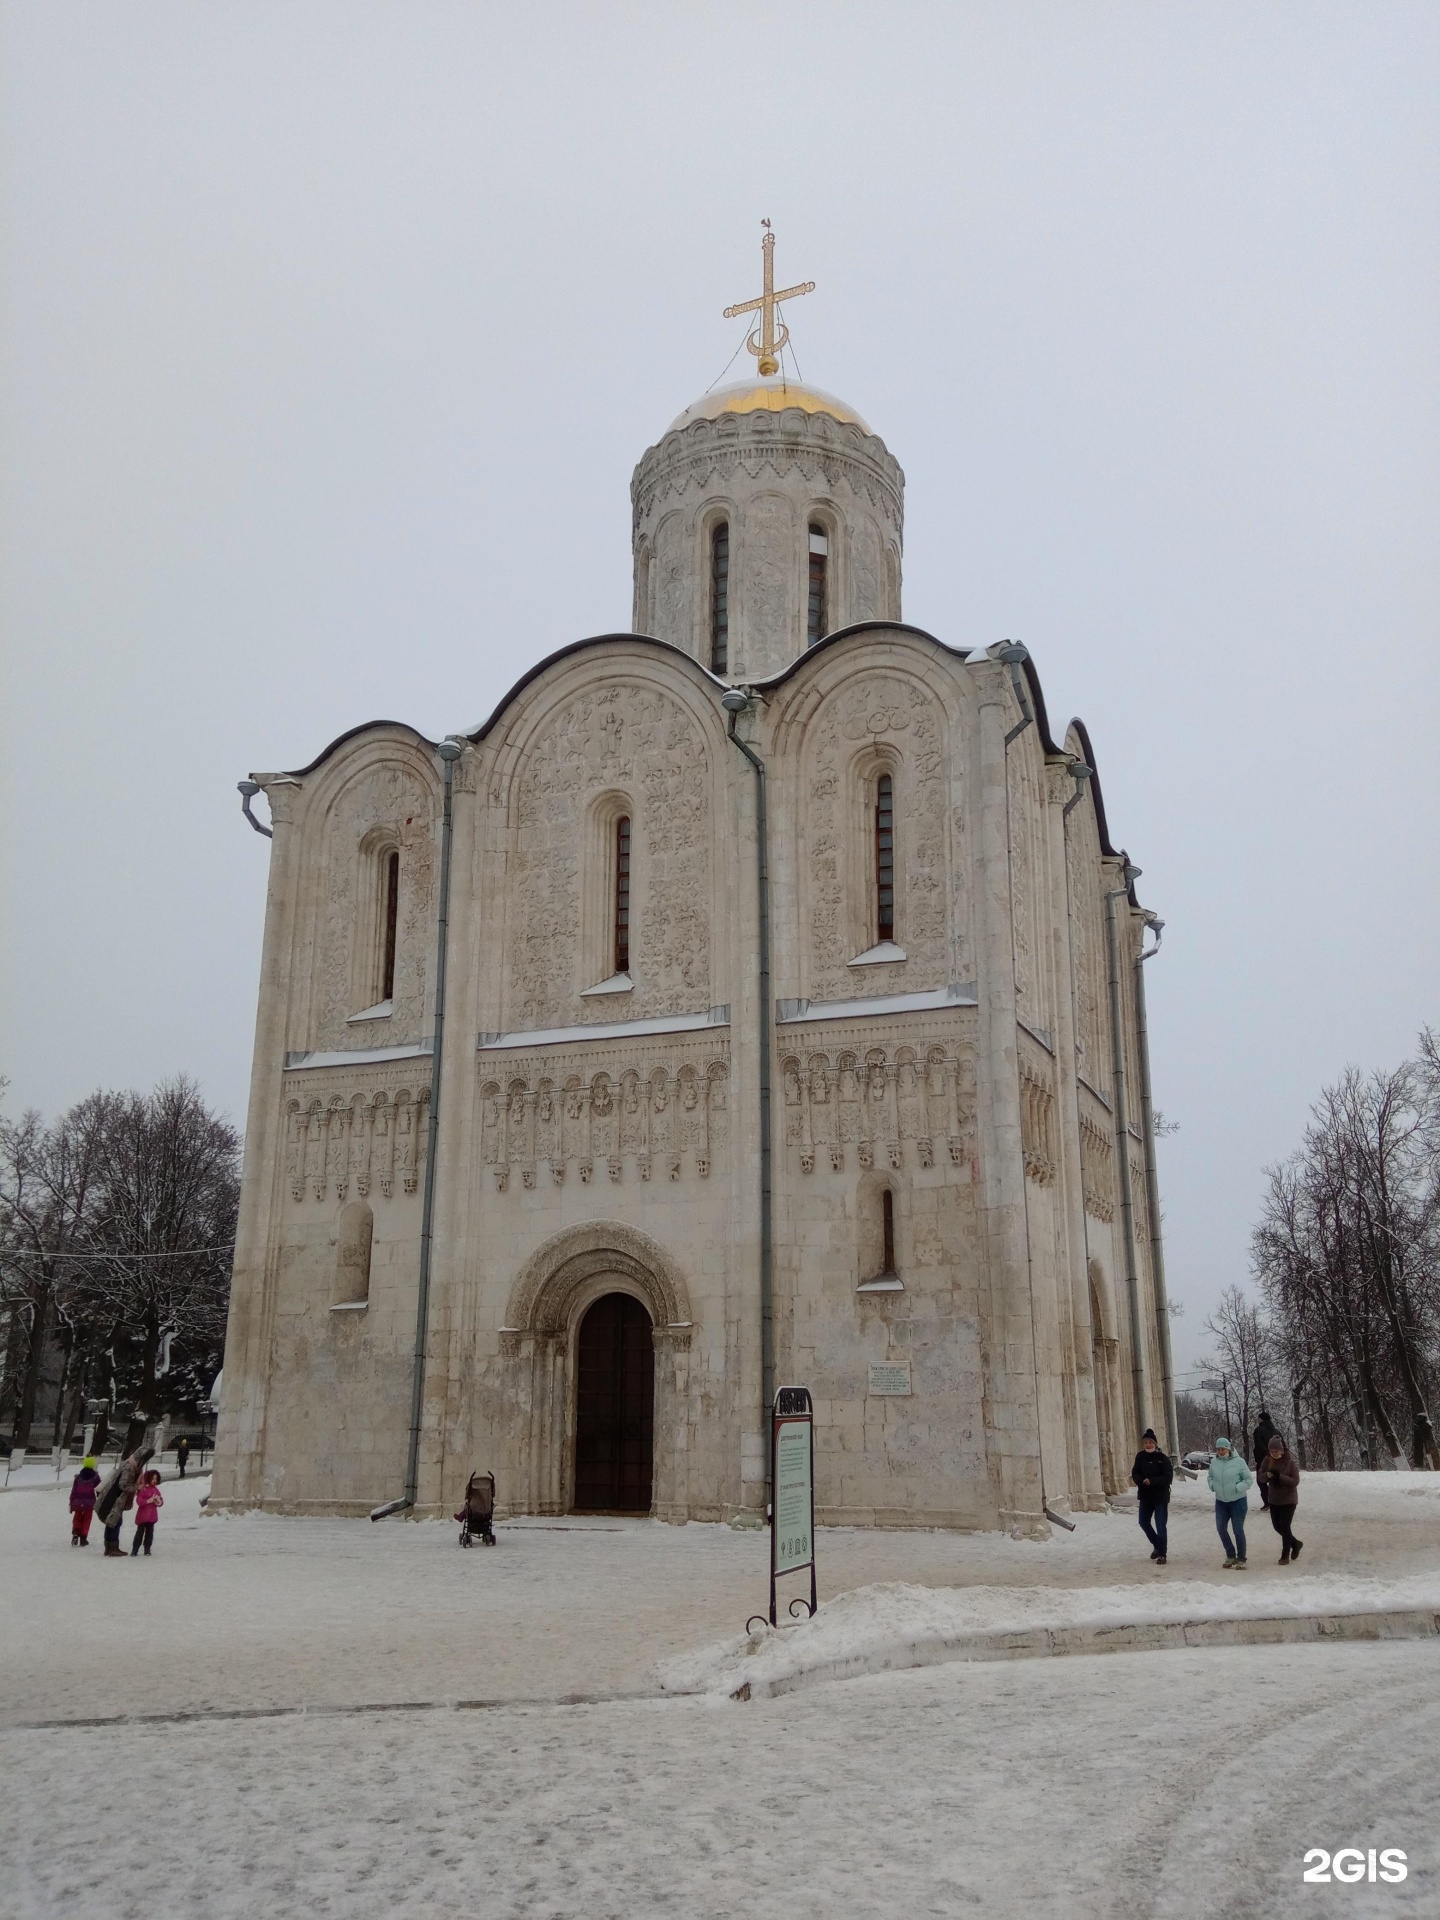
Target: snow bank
<point>875,1628</point>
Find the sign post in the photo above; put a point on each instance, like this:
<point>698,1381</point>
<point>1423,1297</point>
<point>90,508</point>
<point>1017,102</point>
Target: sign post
<point>792,1495</point>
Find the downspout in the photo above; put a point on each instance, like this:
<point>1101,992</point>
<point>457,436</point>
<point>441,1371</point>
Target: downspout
<point>449,751</point>
<point>1152,1197</point>
<point>1122,1146</point>
<point>735,702</point>
<point>248,790</point>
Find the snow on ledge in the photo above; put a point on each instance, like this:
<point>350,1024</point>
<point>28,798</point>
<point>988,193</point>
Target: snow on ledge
<point>603,1030</point>
<point>959,993</point>
<point>355,1057</point>
<point>879,956</point>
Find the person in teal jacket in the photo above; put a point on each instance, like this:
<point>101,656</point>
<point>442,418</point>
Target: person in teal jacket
<point>1230,1481</point>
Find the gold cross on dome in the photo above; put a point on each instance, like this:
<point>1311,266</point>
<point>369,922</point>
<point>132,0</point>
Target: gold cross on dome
<point>764,343</point>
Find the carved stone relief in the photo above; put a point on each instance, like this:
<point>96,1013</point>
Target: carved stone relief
<point>343,1142</point>
<point>645,742</point>
<point>1097,1166</point>
<point>891,710</point>
<point>1037,1117</point>
<point>394,798</point>
<point>545,1118</point>
<point>880,1108</point>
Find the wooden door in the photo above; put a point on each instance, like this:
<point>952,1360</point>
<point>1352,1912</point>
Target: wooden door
<point>615,1408</point>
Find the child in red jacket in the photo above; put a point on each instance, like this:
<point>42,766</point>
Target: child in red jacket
<point>148,1502</point>
<point>83,1489</point>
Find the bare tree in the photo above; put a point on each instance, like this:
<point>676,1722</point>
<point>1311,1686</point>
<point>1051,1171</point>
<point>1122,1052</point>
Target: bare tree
<point>116,1228</point>
<point>1247,1355</point>
<point>161,1238</point>
<point>1345,1253</point>
<point>49,1185</point>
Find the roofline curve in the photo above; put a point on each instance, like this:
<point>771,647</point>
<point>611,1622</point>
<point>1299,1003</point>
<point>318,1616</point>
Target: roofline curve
<point>1096,795</point>
<point>365,726</point>
<point>578,646</point>
<point>919,633</point>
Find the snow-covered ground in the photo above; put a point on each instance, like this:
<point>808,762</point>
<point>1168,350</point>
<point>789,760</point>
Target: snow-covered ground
<point>1165,1784</point>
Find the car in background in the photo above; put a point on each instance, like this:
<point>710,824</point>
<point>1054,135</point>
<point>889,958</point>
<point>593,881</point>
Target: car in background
<point>1196,1460</point>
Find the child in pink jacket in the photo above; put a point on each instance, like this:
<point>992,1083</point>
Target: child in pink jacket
<point>148,1502</point>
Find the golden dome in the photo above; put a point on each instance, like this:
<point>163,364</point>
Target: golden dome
<point>767,396</point>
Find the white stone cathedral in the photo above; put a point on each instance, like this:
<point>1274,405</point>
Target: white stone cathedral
<point>792,1031</point>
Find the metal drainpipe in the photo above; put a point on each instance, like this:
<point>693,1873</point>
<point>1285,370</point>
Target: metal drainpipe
<point>735,703</point>
<point>449,751</point>
<point>1122,1147</point>
<point>1152,1197</point>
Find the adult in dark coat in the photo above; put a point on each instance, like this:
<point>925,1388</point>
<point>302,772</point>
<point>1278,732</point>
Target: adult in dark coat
<point>1152,1476</point>
<point>1260,1446</point>
<point>1279,1476</point>
<point>117,1496</point>
<point>182,1454</point>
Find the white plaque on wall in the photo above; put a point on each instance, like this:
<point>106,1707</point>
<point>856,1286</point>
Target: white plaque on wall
<point>891,1376</point>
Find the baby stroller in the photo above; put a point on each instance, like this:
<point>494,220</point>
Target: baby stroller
<point>477,1516</point>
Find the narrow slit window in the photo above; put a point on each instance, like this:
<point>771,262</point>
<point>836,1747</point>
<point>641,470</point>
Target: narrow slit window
<point>884,858</point>
<point>720,598</point>
<point>392,920</point>
<point>815,609</point>
<point>887,1230</point>
<point>622,894</point>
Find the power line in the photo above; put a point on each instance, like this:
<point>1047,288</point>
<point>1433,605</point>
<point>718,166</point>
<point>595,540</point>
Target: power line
<point>178,1253</point>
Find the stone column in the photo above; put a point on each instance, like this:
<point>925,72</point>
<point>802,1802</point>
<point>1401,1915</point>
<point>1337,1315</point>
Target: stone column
<point>1067,1104</point>
<point>1012,1414</point>
<point>240,1440</point>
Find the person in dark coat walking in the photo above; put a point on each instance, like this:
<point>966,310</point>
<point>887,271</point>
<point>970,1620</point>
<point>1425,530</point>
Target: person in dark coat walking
<point>1279,1475</point>
<point>1259,1447</point>
<point>1153,1475</point>
<point>182,1454</point>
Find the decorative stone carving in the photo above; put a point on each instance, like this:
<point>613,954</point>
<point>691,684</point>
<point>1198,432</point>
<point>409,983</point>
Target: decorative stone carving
<point>395,798</point>
<point>671,1115</point>
<point>887,710</point>
<point>338,1141</point>
<point>879,1105</point>
<point>649,745</point>
<point>1037,1119</point>
<point>1097,1163</point>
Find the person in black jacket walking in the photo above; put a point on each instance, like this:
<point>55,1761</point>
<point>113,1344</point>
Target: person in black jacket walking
<point>1259,1447</point>
<point>1152,1476</point>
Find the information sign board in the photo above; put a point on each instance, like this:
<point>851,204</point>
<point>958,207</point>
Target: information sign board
<point>792,1493</point>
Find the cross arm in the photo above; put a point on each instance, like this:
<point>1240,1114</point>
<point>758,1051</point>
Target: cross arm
<point>754,306</point>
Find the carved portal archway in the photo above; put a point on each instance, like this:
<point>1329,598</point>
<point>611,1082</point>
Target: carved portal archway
<point>539,1345</point>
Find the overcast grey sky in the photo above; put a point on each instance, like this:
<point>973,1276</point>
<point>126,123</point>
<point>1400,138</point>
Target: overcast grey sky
<point>333,331</point>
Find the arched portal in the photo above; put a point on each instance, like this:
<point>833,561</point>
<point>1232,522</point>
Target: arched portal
<point>615,1407</point>
<point>591,1291</point>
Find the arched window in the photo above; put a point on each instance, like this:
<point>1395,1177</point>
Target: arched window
<point>390,893</point>
<point>720,598</point>
<point>815,609</point>
<point>622,894</point>
<point>352,1260</point>
<point>887,1231</point>
<point>884,858</point>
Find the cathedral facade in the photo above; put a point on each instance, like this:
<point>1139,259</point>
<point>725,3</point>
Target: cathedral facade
<point>790,1030</point>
